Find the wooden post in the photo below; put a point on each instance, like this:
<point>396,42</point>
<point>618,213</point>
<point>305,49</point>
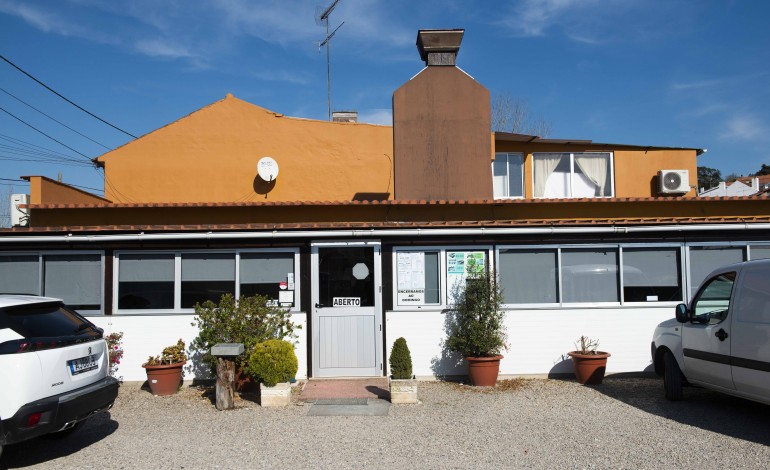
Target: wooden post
<point>225,383</point>
<point>226,354</point>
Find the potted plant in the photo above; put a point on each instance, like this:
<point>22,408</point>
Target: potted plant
<point>273,363</point>
<point>164,372</point>
<point>476,325</point>
<point>589,364</point>
<point>403,387</point>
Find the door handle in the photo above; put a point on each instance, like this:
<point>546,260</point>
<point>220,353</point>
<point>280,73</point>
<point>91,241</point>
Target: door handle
<point>721,334</point>
<point>319,305</point>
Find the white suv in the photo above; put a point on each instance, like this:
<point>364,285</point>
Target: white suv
<point>53,368</point>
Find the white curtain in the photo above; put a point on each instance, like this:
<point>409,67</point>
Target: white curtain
<point>545,164</point>
<point>594,166</point>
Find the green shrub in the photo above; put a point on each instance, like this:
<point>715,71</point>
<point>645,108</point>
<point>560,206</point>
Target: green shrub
<point>476,320</point>
<point>400,360</point>
<point>250,320</point>
<point>273,361</point>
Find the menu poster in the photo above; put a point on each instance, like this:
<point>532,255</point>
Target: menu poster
<point>411,278</point>
<point>461,263</point>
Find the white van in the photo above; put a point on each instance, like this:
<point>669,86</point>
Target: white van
<point>721,340</point>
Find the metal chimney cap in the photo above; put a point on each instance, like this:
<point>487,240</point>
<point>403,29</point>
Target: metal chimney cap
<point>438,40</point>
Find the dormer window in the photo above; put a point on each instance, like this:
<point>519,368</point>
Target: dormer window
<point>508,175</point>
<point>573,175</point>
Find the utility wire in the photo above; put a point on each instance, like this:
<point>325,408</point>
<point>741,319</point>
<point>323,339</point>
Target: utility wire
<point>34,147</point>
<point>38,130</point>
<point>52,118</point>
<point>65,99</point>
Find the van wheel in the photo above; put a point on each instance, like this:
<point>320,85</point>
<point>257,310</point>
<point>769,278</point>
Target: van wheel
<point>672,378</point>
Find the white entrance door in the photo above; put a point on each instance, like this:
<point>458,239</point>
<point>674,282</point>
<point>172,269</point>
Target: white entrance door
<point>347,311</point>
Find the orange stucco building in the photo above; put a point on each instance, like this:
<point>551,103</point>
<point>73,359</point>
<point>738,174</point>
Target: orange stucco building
<point>362,230</point>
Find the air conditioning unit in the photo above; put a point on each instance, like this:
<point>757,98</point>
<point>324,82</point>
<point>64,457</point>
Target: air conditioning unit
<point>19,215</point>
<point>673,182</point>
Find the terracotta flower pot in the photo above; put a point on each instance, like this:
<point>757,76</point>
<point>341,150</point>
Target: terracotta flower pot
<point>483,371</point>
<point>589,368</point>
<point>164,379</point>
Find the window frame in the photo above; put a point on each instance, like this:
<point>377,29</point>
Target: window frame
<point>177,254</point>
<point>41,272</point>
<point>572,173</point>
<point>508,175</point>
<point>442,275</point>
<point>560,304</point>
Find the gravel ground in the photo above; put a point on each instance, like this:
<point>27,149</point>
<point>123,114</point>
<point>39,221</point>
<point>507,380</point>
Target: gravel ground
<point>624,423</point>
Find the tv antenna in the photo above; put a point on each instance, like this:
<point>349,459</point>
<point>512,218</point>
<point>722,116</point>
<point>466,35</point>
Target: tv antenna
<point>322,19</point>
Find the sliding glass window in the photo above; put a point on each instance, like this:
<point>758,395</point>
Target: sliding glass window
<point>207,276</point>
<point>652,274</point>
<point>270,274</point>
<point>146,281</point>
<point>20,274</point>
<point>529,276</point>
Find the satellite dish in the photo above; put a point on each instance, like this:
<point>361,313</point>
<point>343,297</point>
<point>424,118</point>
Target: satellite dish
<point>267,169</point>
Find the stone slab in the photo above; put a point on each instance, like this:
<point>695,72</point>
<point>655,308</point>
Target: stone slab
<point>227,349</point>
<point>373,407</point>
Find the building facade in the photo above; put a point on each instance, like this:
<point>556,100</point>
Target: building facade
<point>364,231</point>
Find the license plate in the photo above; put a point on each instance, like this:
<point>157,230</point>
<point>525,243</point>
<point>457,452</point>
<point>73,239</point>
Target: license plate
<point>83,364</point>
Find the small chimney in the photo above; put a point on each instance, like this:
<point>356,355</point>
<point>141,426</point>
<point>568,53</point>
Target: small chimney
<point>345,116</point>
<point>439,46</point>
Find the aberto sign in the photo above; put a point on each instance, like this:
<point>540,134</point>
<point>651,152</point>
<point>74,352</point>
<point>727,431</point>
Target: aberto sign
<point>346,302</point>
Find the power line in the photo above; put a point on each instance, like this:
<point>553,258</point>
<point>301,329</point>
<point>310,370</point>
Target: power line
<point>52,118</point>
<point>38,130</point>
<point>65,99</point>
<point>32,146</point>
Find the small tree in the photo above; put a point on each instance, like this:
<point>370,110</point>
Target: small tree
<point>513,114</point>
<point>400,360</point>
<point>249,320</point>
<point>476,323</point>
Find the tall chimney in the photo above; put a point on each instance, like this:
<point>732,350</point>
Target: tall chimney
<point>439,46</point>
<point>442,139</point>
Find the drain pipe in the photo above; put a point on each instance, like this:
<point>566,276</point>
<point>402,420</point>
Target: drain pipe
<point>382,233</point>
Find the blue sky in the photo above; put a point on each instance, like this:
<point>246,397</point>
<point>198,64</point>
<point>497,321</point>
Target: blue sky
<point>689,73</point>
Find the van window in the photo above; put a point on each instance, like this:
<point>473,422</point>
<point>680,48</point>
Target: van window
<point>713,302</point>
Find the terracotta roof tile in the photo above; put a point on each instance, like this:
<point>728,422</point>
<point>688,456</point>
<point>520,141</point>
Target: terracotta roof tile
<point>124,205</point>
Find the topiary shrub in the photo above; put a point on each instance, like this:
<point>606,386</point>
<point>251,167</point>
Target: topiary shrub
<point>273,361</point>
<point>400,360</point>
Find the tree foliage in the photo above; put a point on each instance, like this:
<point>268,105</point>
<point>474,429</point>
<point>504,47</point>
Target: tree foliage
<point>765,170</point>
<point>249,320</point>
<point>513,114</point>
<point>476,320</point>
<point>708,177</point>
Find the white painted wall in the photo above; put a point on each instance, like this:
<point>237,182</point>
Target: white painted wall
<point>147,335</point>
<point>539,339</point>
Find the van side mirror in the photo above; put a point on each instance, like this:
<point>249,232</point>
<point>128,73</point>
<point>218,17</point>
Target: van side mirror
<point>682,313</point>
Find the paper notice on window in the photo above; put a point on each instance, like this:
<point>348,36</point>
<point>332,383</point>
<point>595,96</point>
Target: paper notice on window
<point>461,263</point>
<point>411,278</point>
<point>286,298</point>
